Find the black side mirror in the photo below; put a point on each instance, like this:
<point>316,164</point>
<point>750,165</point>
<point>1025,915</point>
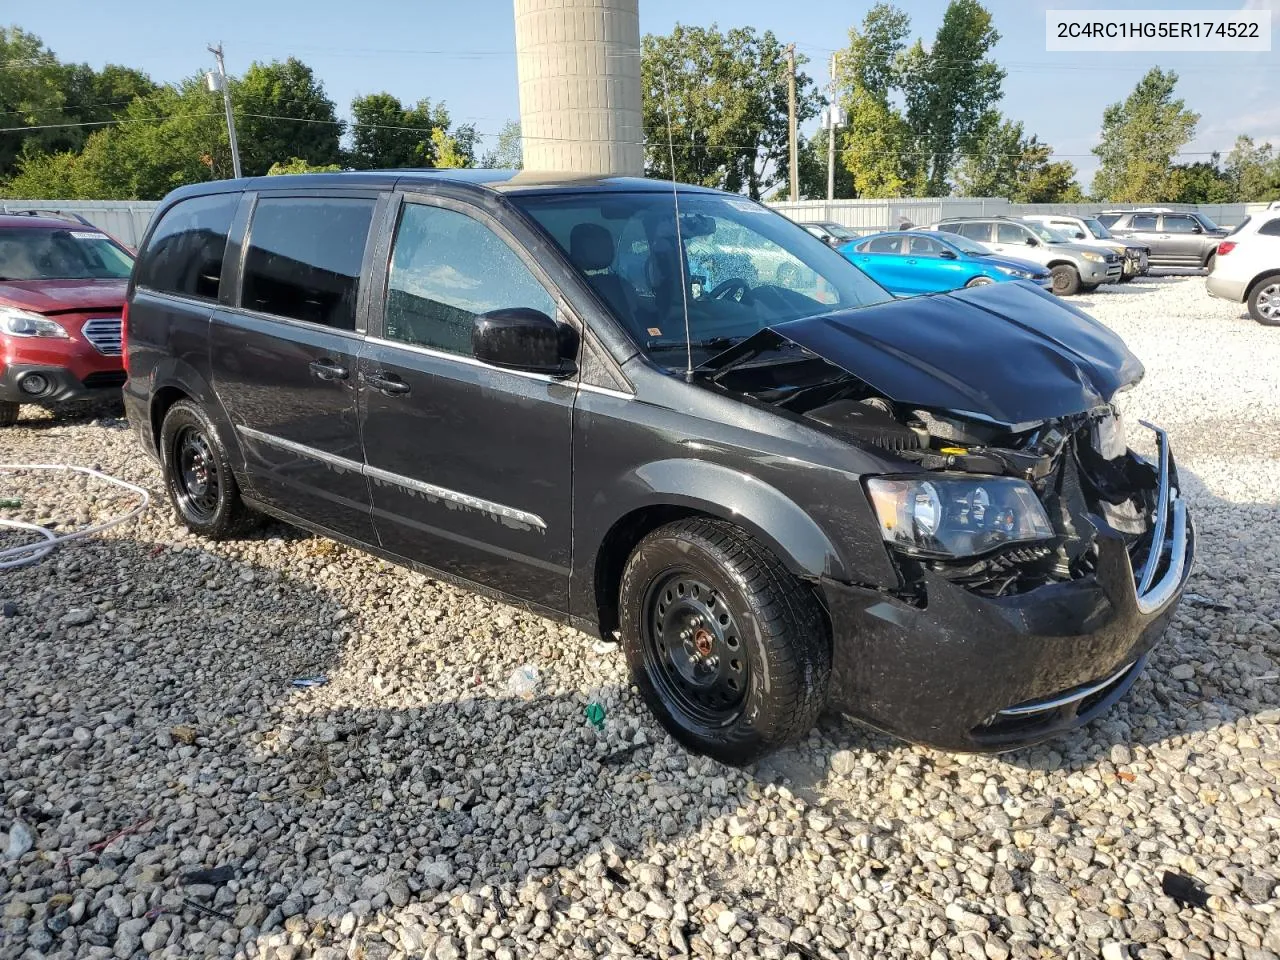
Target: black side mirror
<point>1032,242</point>
<point>521,338</point>
<point>947,254</point>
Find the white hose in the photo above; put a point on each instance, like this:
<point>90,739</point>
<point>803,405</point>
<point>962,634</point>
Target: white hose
<point>31,552</point>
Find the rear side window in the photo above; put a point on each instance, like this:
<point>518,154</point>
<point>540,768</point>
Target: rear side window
<point>1271,228</point>
<point>975,231</point>
<point>304,256</point>
<point>882,245</point>
<point>184,254</point>
<point>1143,221</point>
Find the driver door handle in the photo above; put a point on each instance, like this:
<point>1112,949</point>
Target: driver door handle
<point>388,383</point>
<point>327,369</point>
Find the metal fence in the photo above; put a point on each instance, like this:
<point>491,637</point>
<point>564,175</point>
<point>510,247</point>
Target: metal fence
<point>867,216</point>
<point>126,220</point>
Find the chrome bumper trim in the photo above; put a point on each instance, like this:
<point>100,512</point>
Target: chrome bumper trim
<point>1064,699</point>
<point>1169,507</point>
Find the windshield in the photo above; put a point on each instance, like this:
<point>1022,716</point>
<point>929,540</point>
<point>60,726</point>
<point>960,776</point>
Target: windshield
<point>1047,234</point>
<point>1206,222</point>
<point>965,245</point>
<point>745,268</point>
<point>844,233</point>
<point>1097,229</point>
<point>44,254</point>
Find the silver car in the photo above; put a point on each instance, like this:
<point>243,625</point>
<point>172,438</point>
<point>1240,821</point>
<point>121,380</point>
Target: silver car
<point>1075,268</point>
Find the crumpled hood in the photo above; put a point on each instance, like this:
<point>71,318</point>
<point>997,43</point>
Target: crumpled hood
<point>63,296</point>
<point>1008,352</point>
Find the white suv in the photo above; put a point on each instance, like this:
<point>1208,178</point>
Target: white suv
<point>1247,268</point>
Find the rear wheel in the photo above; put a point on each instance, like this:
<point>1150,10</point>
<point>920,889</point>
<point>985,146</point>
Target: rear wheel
<point>729,650</point>
<point>1264,300</point>
<point>198,477</point>
<point>979,281</point>
<point>8,413</point>
<point>1066,280</point>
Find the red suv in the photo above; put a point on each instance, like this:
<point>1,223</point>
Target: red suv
<point>62,286</point>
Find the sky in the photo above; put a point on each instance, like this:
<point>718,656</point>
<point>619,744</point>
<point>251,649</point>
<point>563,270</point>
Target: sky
<point>464,54</point>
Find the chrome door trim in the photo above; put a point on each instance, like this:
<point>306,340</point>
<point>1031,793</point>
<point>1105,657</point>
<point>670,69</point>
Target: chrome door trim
<point>510,515</point>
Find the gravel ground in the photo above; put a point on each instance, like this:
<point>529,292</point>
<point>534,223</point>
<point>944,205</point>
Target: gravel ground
<point>412,807</point>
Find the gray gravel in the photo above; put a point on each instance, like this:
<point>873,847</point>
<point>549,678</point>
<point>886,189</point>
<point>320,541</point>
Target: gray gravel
<point>412,808</point>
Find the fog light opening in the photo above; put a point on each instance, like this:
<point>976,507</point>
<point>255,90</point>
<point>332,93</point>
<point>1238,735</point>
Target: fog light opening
<point>34,384</point>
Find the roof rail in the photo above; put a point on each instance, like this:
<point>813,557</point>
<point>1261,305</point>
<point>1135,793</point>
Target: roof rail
<point>52,214</point>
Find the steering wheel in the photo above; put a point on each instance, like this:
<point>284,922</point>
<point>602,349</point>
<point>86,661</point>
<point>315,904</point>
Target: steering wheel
<point>730,287</point>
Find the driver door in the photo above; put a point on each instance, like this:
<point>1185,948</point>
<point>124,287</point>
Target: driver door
<point>469,465</point>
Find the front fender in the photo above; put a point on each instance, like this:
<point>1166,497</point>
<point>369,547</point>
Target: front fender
<point>762,510</point>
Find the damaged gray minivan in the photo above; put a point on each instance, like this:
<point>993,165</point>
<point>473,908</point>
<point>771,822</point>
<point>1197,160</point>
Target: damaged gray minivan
<point>670,414</point>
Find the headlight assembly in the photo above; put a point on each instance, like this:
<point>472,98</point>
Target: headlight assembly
<point>1093,257</point>
<point>19,323</point>
<point>1015,272</point>
<point>945,516</point>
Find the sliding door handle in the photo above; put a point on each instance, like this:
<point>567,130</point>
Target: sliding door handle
<point>388,383</point>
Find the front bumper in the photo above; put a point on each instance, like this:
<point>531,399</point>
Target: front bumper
<point>60,383</point>
<point>972,673</point>
<point>1225,289</point>
<point>1137,266</point>
<point>1094,273</point>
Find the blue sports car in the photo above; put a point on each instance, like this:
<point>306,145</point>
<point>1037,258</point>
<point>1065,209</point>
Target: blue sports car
<point>910,262</point>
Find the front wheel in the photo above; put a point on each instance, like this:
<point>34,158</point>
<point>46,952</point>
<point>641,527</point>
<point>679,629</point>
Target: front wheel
<point>728,649</point>
<point>979,281</point>
<point>1066,280</point>
<point>1264,300</point>
<point>8,413</point>
<point>1088,287</point>
<point>198,477</point>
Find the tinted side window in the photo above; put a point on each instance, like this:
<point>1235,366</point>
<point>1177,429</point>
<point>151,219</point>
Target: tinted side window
<point>184,254</point>
<point>1271,228</point>
<point>304,256</point>
<point>1143,221</point>
<point>883,245</point>
<point>975,231</point>
<point>446,268</point>
<point>1011,233</point>
<point>922,247</point>
<point>1180,225</point>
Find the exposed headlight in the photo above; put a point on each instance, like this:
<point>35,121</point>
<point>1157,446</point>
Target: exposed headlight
<point>1015,272</point>
<point>1095,257</point>
<point>949,516</point>
<point>19,323</point>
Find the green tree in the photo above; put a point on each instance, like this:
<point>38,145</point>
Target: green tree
<point>31,95</point>
<point>875,143</point>
<point>949,90</point>
<point>1140,137</point>
<point>1003,162</point>
<point>298,165</point>
<point>723,98</point>
<point>1202,182</point>
<point>386,135</point>
<point>508,151</point>
<point>281,112</point>
<point>813,168</point>
<point>1254,169</point>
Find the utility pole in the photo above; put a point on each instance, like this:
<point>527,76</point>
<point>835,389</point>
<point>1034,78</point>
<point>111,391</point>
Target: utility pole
<point>831,136</point>
<point>791,121</point>
<point>219,82</point>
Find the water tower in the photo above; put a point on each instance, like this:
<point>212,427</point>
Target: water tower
<point>579,68</point>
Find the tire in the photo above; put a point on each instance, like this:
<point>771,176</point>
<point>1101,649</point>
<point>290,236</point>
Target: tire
<point>1212,259</point>
<point>8,413</point>
<point>1089,287</point>
<point>709,616</point>
<point>1126,277</point>
<point>1066,280</point>
<point>1264,300</point>
<point>198,477</point>
<point>979,281</point>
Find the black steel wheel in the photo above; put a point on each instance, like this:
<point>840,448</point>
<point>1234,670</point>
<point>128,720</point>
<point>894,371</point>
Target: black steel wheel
<point>198,475</point>
<point>727,647</point>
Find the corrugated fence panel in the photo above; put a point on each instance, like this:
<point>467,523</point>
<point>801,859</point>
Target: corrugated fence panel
<point>126,220</point>
<point>868,216</point>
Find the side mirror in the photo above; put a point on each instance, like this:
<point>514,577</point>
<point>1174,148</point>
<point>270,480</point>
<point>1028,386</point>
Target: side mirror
<point>948,254</point>
<point>520,338</point>
<point>1196,228</point>
<point>1078,235</point>
<point>1032,242</point>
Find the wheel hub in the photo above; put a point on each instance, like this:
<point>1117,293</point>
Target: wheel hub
<point>693,649</point>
